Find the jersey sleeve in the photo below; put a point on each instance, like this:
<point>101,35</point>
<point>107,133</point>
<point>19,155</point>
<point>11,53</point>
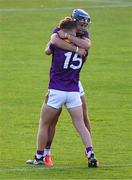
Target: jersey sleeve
<point>51,46</point>
<point>55,30</point>
<point>86,34</point>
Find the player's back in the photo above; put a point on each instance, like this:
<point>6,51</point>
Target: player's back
<point>65,69</point>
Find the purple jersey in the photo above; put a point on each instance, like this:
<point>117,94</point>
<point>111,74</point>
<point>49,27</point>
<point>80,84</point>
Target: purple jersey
<point>65,69</point>
<point>78,35</point>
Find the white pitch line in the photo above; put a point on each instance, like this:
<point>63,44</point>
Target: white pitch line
<point>97,1</point>
<point>42,9</point>
<point>36,168</point>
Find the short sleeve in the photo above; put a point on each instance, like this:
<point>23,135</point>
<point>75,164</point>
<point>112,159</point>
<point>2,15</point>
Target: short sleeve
<point>55,30</point>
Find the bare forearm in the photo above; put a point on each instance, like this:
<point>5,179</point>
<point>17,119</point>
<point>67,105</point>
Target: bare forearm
<point>67,46</point>
<point>83,43</point>
<point>47,49</point>
<point>63,45</point>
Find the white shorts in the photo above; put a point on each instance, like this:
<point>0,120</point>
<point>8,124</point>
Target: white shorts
<point>57,99</point>
<point>81,90</point>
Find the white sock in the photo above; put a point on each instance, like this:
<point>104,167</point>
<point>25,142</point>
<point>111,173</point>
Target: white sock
<point>89,154</point>
<point>39,156</point>
<point>47,152</point>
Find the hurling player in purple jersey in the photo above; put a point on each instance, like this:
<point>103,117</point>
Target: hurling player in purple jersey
<point>82,40</point>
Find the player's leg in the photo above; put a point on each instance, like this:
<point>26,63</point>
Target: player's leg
<point>51,134</point>
<point>74,107</point>
<point>77,119</point>
<point>46,116</point>
<point>85,107</point>
<point>85,113</point>
<point>51,130</point>
<point>48,112</point>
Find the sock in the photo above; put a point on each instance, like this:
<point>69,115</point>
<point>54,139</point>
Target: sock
<point>48,144</point>
<point>47,151</point>
<point>39,154</point>
<point>89,151</point>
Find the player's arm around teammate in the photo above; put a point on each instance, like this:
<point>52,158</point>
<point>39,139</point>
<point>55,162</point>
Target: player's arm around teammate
<point>83,42</point>
<point>55,39</point>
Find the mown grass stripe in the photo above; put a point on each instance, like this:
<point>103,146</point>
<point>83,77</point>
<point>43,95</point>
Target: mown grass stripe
<point>63,8</point>
<point>35,168</point>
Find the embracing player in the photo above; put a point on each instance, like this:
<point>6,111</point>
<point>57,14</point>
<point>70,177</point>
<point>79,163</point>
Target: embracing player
<point>82,43</point>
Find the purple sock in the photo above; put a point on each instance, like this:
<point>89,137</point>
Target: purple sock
<point>40,152</point>
<point>89,149</point>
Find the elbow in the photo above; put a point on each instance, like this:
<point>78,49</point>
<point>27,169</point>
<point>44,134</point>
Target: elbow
<point>54,41</point>
<point>88,45</point>
<point>47,52</point>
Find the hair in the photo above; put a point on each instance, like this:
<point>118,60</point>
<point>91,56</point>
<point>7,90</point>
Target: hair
<point>67,23</point>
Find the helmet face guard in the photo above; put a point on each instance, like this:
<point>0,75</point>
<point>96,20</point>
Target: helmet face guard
<point>81,16</point>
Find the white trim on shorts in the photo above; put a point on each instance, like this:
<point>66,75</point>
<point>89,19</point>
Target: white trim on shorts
<point>81,90</point>
<point>57,99</point>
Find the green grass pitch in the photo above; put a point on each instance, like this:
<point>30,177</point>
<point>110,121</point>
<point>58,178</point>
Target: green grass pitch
<point>25,28</point>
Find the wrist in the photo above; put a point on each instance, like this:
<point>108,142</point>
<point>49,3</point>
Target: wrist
<point>77,49</point>
<point>66,35</point>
